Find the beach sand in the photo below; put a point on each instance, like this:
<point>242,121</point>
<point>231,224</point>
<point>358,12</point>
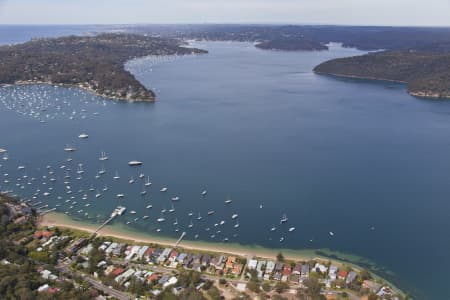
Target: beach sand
<point>125,233</point>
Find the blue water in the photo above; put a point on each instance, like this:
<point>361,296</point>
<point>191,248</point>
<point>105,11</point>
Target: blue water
<point>361,159</point>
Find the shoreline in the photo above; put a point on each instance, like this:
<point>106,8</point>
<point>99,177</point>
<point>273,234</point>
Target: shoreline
<point>79,86</point>
<point>124,233</point>
<point>424,95</point>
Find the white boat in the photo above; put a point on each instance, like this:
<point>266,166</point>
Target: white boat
<point>172,209</point>
<point>234,216</point>
<point>164,189</point>
<point>291,229</point>
<point>331,233</point>
<point>103,156</point>
<point>149,206</point>
<point>98,195</point>
<point>145,217</point>
<point>147,182</point>
<point>281,239</point>
<point>120,195</point>
<point>20,167</point>
<point>69,149</point>
<point>134,163</point>
<point>144,192</point>
<point>2,150</point>
<point>204,193</point>
<point>175,198</point>
<point>83,136</point>
<point>176,222</point>
<point>160,219</point>
<point>116,177</point>
<point>199,217</point>
<point>236,225</point>
<point>190,224</point>
<point>131,181</point>
<point>102,171</point>
<point>222,222</point>
<point>133,212</point>
<point>118,211</point>
<point>211,212</point>
<point>228,201</point>
<point>141,175</point>
<point>273,229</point>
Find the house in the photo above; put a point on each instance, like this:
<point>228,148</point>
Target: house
<point>278,267</point>
<point>321,268</point>
<point>109,269</point>
<point>277,276</point>
<point>297,269</point>
<point>44,234</point>
<point>141,252</point>
<point>332,272</point>
<point>230,262</point>
<point>172,280</point>
<point>118,250</point>
<point>287,270</point>
<point>270,266</point>
<point>371,285</point>
<point>252,263</point>
<point>342,274</point>
<point>124,276</point>
<point>351,277</point>
<point>76,245</point>
<point>259,268</point>
<point>173,255</point>
<point>43,288</point>
<point>305,271</point>
<point>110,248</point>
<point>116,272</point>
<point>181,257</point>
<point>206,260</point>
<point>237,269</point>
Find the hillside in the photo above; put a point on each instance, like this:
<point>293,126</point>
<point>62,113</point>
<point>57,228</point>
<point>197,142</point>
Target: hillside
<point>427,74</point>
<point>95,63</point>
<point>291,44</point>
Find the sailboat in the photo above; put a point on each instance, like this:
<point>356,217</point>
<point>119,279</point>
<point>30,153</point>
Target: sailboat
<point>147,182</point>
<point>283,219</point>
<point>116,177</point>
<point>103,156</point>
<point>172,209</point>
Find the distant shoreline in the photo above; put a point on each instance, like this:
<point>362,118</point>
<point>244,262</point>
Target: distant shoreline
<point>56,219</point>
<point>82,87</point>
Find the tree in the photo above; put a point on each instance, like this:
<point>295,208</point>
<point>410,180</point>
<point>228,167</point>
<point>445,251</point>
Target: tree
<point>253,286</point>
<point>266,286</point>
<point>280,256</point>
<point>281,287</point>
<point>313,286</point>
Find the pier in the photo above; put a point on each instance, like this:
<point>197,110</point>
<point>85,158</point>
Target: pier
<point>47,211</point>
<point>180,239</point>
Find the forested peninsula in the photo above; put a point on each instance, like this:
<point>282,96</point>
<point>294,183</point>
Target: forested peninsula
<point>426,73</point>
<point>95,63</point>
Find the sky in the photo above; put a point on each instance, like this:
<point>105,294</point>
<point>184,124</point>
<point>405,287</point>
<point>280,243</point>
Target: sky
<point>340,12</point>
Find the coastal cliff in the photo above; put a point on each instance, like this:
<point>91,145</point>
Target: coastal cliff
<point>426,74</point>
<point>94,63</point>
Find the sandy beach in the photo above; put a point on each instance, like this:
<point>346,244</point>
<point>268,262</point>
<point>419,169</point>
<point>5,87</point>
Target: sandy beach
<point>122,232</point>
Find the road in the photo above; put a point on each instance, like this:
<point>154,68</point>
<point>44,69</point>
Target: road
<point>63,268</point>
<point>107,290</point>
